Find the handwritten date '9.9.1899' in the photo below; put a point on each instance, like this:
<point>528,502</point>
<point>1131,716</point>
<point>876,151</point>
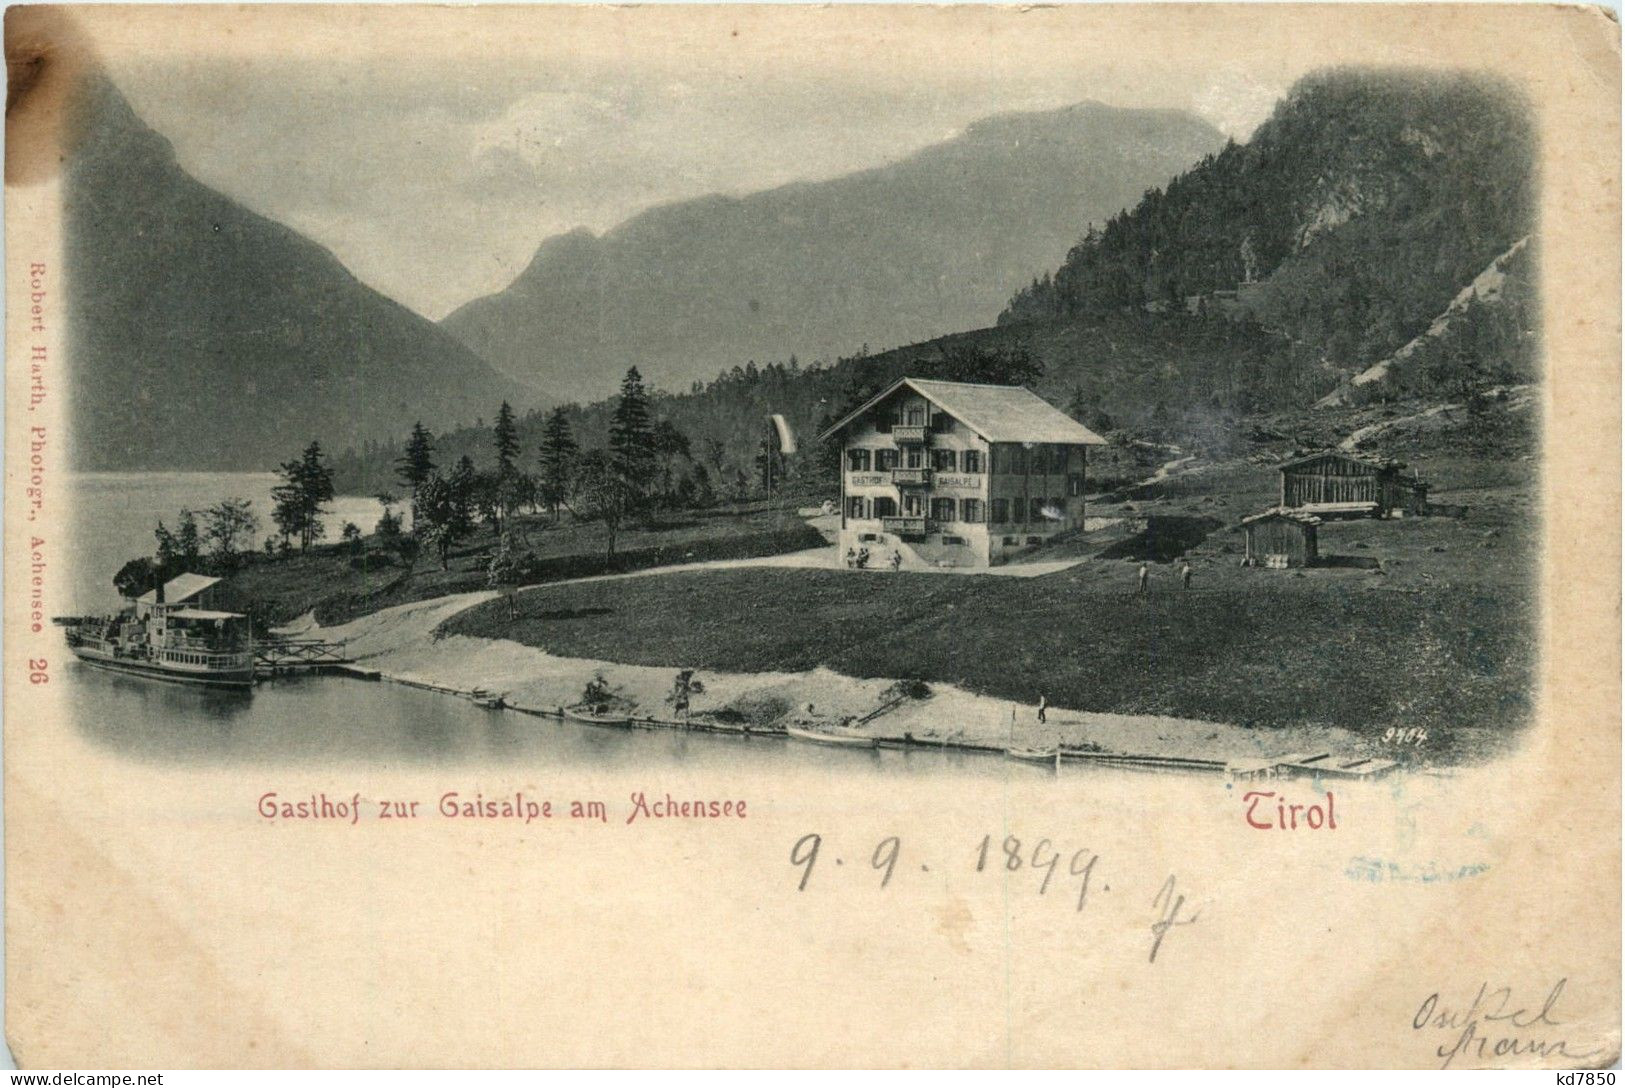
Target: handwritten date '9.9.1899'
<point>1042,865</point>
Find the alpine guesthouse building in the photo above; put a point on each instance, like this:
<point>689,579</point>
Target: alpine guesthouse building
<point>956,474</point>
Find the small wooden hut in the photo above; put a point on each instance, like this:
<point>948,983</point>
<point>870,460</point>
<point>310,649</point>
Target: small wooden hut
<point>1339,483</point>
<point>1281,538</point>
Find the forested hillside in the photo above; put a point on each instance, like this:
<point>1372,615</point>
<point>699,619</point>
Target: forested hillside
<point>1349,221</point>
<point>1350,227</point>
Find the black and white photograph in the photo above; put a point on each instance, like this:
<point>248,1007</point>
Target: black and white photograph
<point>1075,487</point>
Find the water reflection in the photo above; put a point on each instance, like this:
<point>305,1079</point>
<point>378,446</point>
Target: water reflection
<point>332,720</point>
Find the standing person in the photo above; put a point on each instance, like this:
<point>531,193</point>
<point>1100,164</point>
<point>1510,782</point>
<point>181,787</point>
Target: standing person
<point>1185,575</point>
<point>1145,574</point>
<point>851,557</point>
<point>1043,704</point>
<point>896,561</point>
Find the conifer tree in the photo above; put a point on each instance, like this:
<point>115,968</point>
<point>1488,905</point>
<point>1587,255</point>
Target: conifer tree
<point>558,461</point>
<point>417,464</point>
<point>507,440</point>
<point>631,436</point>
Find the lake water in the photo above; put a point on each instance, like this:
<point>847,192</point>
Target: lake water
<point>114,514</point>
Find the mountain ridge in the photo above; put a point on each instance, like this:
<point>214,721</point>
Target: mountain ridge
<point>894,253</point>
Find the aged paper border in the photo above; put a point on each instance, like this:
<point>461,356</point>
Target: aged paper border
<point>115,959</point>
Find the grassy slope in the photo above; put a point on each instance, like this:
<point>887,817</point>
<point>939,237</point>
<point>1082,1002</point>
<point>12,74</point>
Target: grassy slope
<point>326,580</point>
<point>1441,637</point>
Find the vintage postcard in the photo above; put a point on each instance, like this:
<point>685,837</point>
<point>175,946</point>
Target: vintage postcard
<point>729,536</point>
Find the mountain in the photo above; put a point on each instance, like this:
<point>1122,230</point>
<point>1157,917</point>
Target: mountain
<point>926,245</point>
<point>204,336</point>
<point>1349,221</point>
<point>1374,210</point>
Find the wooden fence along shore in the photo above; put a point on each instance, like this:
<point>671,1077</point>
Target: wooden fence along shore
<point>1297,764</point>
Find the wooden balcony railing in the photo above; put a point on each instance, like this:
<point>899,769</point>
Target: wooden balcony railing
<point>911,477</point>
<point>904,526</point>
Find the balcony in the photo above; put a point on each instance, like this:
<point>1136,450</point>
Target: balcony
<point>904,526</point>
<point>911,477</point>
<point>909,434</point>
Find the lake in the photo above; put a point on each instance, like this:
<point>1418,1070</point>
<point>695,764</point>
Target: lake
<point>114,514</point>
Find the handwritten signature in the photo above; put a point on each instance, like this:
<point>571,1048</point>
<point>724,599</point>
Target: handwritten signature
<point>1169,903</point>
<point>1493,1026</point>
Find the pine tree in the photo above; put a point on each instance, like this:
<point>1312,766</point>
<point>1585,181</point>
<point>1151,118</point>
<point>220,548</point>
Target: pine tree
<point>417,464</point>
<point>507,439</point>
<point>301,498</point>
<point>188,540</point>
<point>631,436</point>
<point>558,461</point>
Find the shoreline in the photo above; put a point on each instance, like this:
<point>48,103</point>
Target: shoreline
<point>399,645</point>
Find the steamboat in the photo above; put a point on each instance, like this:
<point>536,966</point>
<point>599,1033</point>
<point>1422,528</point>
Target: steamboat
<point>171,633</point>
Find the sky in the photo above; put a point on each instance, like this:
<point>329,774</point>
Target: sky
<point>433,171</point>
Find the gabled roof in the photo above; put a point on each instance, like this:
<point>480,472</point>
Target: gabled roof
<point>999,413</point>
<point>182,587</point>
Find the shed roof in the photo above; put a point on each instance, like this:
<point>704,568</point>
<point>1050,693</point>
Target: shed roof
<point>1343,455</point>
<point>1282,512</point>
<point>180,588</point>
<point>203,614</point>
<point>999,413</point>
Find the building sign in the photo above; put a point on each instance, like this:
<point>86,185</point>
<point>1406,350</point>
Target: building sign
<point>959,481</point>
<point>867,480</point>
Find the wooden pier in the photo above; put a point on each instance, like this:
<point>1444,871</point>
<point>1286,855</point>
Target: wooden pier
<point>280,656</point>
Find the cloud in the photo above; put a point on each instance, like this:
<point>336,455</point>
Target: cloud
<point>1237,101</point>
<point>546,124</point>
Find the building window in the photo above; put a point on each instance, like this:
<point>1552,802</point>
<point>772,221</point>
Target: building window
<point>913,458</point>
<point>885,507</point>
<point>1018,512</point>
<point>857,460</point>
<point>942,509</point>
<point>885,460</point>
<point>856,507</point>
<point>970,510</point>
<point>944,460</point>
<point>916,415</point>
<point>1074,485</point>
<point>1038,511</point>
<point>913,506</point>
<point>954,540</point>
<point>1034,540</point>
<point>973,461</point>
<point>1040,460</point>
<point>1001,511</point>
<point>1009,540</point>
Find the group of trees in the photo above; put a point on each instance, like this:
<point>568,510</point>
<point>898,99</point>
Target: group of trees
<point>299,502</point>
<point>645,464</point>
<point>213,540</point>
